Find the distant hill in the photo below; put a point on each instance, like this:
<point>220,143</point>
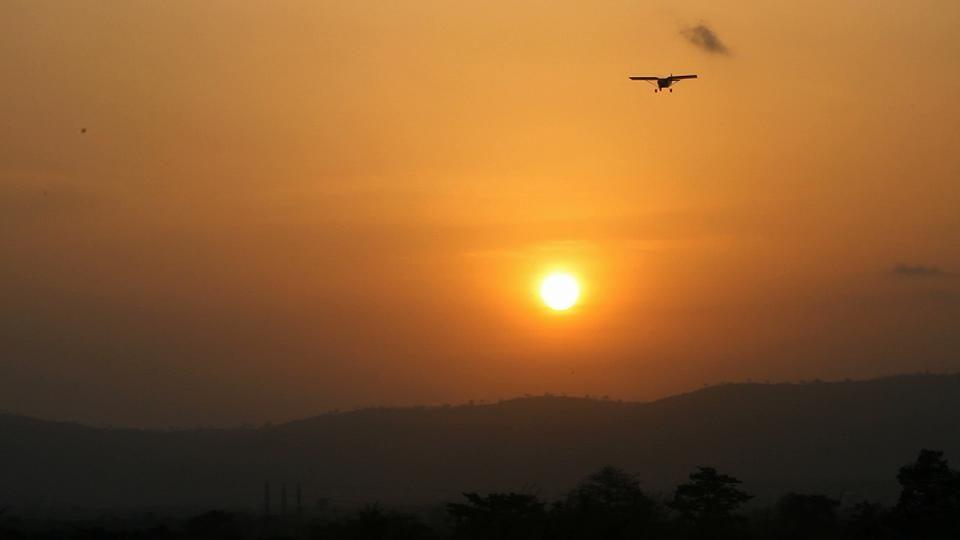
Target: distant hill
<point>837,438</point>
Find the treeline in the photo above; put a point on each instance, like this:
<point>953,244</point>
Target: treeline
<point>609,504</point>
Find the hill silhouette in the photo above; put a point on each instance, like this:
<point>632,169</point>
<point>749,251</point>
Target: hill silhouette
<point>844,439</point>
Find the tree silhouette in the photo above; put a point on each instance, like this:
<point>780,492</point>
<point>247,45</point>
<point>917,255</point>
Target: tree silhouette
<point>373,523</point>
<point>213,525</point>
<point>929,503</point>
<point>607,504</point>
<point>801,515</point>
<point>708,501</point>
<point>498,515</point>
<point>869,521</point>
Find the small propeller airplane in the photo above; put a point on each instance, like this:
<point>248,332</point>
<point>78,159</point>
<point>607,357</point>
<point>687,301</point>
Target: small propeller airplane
<point>664,82</point>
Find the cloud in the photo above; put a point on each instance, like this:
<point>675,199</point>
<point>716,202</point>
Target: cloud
<point>917,271</point>
<point>702,37</point>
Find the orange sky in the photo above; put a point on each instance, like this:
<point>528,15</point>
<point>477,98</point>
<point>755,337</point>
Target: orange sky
<point>289,206</point>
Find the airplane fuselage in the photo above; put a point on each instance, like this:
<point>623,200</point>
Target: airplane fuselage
<point>663,83</point>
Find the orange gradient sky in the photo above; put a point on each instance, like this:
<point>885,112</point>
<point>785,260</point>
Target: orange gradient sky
<point>282,207</point>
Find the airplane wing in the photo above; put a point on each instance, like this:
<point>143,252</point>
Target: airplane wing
<point>678,77</point>
<point>643,78</point>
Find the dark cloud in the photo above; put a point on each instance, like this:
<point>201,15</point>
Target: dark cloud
<point>917,271</point>
<point>704,38</point>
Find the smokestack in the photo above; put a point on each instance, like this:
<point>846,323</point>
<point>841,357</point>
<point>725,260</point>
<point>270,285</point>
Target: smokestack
<point>283,499</point>
<point>266,499</point>
<point>299,501</point>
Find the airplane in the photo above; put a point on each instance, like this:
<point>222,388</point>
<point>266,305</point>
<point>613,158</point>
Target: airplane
<point>664,82</point>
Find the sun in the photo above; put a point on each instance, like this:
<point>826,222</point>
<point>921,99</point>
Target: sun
<point>559,291</point>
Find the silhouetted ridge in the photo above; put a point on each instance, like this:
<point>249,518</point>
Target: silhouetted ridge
<point>836,438</point>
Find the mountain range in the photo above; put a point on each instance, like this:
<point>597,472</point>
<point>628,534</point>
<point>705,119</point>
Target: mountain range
<point>845,439</point>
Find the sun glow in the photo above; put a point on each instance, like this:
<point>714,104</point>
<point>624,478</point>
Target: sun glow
<point>559,291</point>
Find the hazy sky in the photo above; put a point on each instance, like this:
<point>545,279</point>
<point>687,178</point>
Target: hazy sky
<point>281,207</point>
